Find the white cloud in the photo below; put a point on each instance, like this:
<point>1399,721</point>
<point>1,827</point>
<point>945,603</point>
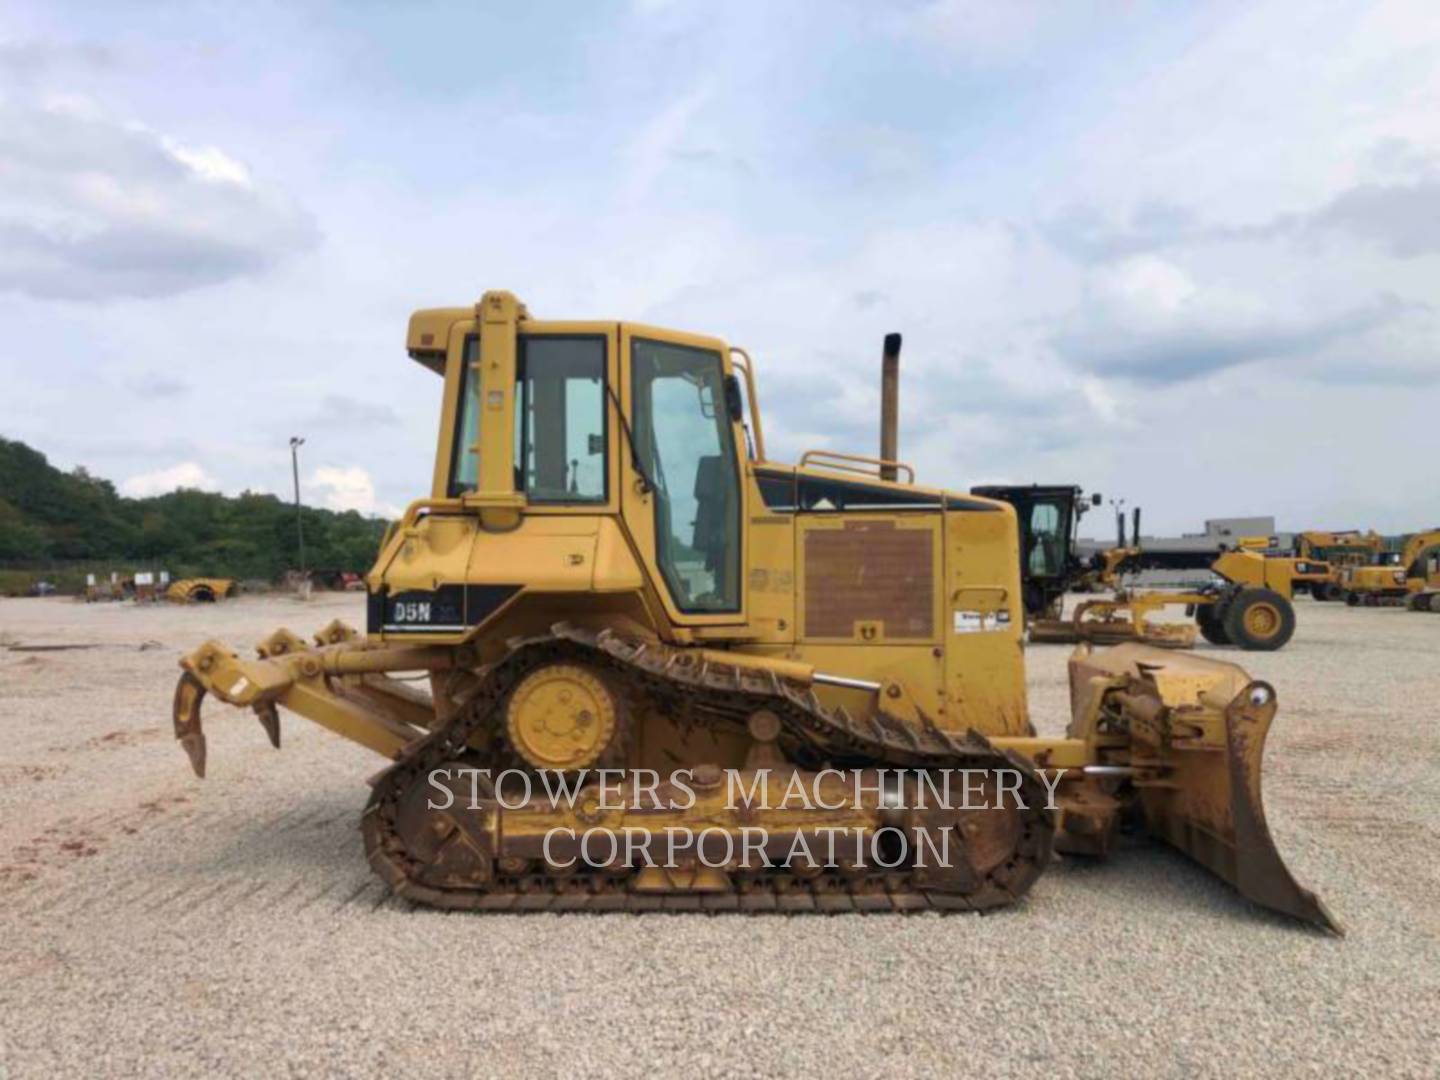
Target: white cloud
<point>210,163</point>
<point>186,474</point>
<point>1146,284</point>
<point>350,488</point>
<point>1135,247</point>
<point>1102,401</point>
<point>94,207</point>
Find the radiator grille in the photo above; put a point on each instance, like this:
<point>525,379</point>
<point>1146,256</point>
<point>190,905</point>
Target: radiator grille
<point>869,572</point>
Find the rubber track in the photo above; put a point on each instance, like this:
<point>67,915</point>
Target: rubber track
<point>720,693</point>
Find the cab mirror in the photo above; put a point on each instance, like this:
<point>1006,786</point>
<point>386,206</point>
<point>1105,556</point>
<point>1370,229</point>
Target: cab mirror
<point>734,403</point>
<point>1096,499</point>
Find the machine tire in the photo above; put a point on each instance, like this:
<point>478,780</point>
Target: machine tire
<point>1211,620</point>
<point>1259,620</point>
<point>1352,599</point>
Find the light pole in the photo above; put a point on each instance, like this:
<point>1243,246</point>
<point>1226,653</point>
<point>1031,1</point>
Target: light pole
<point>295,443</point>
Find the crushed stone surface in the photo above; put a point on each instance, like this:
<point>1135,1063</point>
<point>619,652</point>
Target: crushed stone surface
<point>152,923</point>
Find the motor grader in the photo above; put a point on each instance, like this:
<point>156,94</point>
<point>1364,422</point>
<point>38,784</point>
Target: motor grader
<point>1248,604</point>
<point>610,576</point>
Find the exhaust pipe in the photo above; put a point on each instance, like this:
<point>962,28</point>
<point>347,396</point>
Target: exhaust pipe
<point>1120,528</point>
<point>890,406</point>
<point>1135,528</point>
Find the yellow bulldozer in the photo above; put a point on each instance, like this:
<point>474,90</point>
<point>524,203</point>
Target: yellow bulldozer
<point>660,671</point>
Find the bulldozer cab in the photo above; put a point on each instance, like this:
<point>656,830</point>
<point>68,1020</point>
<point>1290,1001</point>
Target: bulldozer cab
<point>581,448</point>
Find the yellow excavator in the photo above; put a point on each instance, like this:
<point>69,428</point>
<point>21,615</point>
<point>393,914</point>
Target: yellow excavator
<point>1337,550</point>
<point>1409,577</point>
<point>1421,557</point>
<point>620,660</point>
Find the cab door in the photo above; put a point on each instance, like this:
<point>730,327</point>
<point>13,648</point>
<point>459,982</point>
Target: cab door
<point>681,492</point>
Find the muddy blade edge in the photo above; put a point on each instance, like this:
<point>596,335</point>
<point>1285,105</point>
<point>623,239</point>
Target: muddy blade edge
<point>1215,814</point>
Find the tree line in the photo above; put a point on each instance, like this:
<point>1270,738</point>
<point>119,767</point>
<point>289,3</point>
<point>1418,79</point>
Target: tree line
<point>49,517</point>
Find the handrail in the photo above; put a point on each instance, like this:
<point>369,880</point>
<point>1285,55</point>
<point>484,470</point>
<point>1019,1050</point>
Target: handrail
<point>414,510</point>
<point>748,368</point>
<point>830,459</point>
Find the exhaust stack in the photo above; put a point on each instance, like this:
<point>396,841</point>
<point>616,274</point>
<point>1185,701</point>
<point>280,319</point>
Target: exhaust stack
<point>890,405</point>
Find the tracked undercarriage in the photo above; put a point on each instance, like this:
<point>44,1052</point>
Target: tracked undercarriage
<point>479,855</point>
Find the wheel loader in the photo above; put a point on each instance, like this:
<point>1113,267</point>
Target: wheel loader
<point>618,659</point>
<point>1247,605</point>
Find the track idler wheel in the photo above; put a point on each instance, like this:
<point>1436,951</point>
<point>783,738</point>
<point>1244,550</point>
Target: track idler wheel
<point>1000,846</point>
<point>562,717</point>
<point>449,823</point>
<point>1259,620</point>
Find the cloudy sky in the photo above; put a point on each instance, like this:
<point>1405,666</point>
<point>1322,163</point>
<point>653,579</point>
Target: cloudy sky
<point>1185,255</point>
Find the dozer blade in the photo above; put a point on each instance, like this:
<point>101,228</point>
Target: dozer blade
<point>1198,729</point>
<point>1111,632</point>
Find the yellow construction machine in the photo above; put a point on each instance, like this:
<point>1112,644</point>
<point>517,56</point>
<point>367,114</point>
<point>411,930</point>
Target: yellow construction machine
<point>1421,557</point>
<point>1246,602</point>
<point>1337,550</point>
<point>1409,577</point>
<point>201,590</point>
<point>1247,605</point>
<point>661,671</point>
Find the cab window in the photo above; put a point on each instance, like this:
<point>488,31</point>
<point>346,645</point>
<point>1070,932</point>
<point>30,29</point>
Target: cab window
<point>464,458</point>
<point>560,420</point>
<point>686,445</point>
<point>1046,541</point>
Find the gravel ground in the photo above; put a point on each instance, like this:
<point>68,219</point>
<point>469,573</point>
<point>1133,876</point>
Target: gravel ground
<point>153,923</point>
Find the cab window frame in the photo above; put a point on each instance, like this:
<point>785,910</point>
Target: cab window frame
<point>455,486</point>
<point>725,433</point>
